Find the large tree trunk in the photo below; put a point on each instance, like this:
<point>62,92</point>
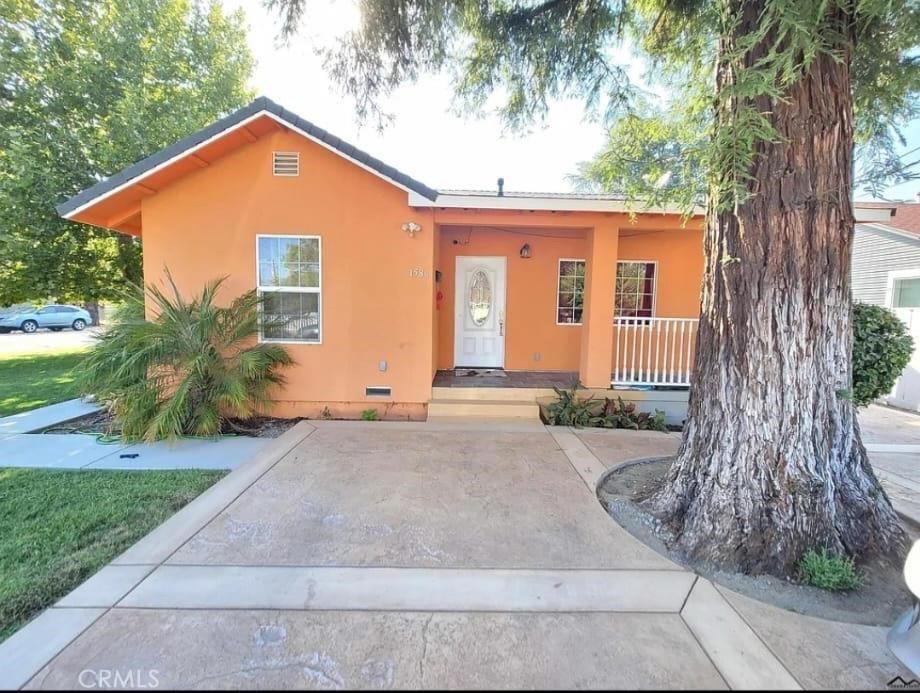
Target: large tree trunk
<point>772,463</point>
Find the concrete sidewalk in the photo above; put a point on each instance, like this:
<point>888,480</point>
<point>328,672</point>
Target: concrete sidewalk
<point>20,446</point>
<point>373,555</point>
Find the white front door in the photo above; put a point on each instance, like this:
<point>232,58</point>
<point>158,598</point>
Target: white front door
<point>479,310</point>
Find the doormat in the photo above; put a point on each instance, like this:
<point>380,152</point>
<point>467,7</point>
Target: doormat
<point>480,373</point>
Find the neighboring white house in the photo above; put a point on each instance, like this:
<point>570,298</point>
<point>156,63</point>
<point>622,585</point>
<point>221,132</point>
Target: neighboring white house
<point>886,272</point>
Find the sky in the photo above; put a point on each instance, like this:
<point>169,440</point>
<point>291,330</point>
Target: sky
<point>427,140</point>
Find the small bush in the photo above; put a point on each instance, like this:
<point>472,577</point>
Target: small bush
<point>570,409</point>
<point>882,348</point>
<point>829,571</point>
<point>369,415</point>
<point>326,414</point>
<point>190,370</point>
<point>620,414</point>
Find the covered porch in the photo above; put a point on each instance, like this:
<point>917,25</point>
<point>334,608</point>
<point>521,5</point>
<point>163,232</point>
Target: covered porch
<point>604,298</point>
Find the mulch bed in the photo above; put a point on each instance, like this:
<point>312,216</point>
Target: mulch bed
<point>103,423</point>
<point>881,599</point>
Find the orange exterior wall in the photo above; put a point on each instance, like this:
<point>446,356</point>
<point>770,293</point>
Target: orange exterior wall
<point>377,282</point>
<point>533,340</point>
<point>531,328</point>
<point>380,301</point>
<point>679,254</point>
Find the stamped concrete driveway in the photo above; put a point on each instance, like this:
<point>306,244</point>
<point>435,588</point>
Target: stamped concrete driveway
<point>376,555</point>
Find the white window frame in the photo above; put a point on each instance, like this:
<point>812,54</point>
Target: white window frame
<point>292,289</point>
<point>654,288</point>
<point>559,282</point>
<point>893,276</point>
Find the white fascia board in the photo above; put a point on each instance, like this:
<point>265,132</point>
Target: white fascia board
<point>146,174</point>
<point>339,152</point>
<point>222,133</point>
<point>551,204</point>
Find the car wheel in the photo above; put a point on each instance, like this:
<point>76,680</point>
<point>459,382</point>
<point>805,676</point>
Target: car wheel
<point>79,324</point>
<point>29,326</point>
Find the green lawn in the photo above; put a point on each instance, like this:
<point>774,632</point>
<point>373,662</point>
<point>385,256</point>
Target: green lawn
<point>33,380</point>
<point>57,528</point>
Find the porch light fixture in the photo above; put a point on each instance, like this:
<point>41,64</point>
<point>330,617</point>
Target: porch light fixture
<point>411,228</point>
<point>525,251</point>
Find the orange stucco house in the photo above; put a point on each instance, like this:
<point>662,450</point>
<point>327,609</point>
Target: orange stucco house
<point>387,286</point>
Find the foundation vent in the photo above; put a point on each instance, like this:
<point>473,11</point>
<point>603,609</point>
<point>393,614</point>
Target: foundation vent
<point>377,391</point>
<point>286,163</point>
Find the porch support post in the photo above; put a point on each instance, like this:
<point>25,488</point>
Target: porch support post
<point>597,319</point>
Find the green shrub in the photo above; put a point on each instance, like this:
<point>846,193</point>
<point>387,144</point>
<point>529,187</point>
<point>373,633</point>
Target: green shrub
<point>829,571</point>
<point>369,415</point>
<point>187,371</point>
<point>570,409</point>
<point>326,414</point>
<point>882,348</point>
<point>620,414</point>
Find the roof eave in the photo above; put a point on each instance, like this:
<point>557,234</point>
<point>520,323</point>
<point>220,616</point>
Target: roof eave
<point>140,170</point>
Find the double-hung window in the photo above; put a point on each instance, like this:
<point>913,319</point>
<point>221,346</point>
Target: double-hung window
<point>289,283</point>
<point>570,294</point>
<point>635,289</point>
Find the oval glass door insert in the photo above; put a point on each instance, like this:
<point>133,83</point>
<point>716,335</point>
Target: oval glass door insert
<point>480,298</point>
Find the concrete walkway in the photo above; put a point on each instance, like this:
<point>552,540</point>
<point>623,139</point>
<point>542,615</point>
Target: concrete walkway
<point>892,438</point>
<point>43,417</point>
<point>375,555</point>
<point>20,446</point>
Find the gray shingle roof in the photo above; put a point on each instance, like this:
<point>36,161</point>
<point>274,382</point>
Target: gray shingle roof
<point>260,104</point>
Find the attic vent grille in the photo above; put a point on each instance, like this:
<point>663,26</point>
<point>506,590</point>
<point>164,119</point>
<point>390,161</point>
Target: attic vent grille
<point>286,163</point>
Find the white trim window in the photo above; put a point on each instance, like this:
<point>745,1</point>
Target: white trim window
<point>903,289</point>
<point>570,291</point>
<point>636,284</point>
<point>289,279</point>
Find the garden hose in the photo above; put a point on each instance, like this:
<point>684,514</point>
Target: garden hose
<point>110,439</point>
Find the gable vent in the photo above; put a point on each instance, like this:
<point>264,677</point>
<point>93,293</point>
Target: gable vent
<point>286,163</point>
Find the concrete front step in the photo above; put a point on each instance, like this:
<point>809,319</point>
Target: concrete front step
<point>493,394</point>
<point>483,408</point>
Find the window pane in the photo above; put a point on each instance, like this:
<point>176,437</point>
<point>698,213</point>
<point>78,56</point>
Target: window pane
<point>635,289</point>
<point>290,315</point>
<point>289,262</point>
<point>567,268</point>
<point>570,291</point>
<point>480,298</point>
<point>907,293</point>
<point>570,284</point>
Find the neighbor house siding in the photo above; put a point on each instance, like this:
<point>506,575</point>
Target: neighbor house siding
<point>877,252</point>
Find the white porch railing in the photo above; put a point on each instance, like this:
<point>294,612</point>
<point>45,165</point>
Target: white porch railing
<point>653,351</point>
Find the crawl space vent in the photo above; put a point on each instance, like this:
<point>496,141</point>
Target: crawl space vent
<point>377,392</point>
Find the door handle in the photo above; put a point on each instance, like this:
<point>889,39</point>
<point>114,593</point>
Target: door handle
<point>501,324</point>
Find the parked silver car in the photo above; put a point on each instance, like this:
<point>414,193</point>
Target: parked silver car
<point>54,317</point>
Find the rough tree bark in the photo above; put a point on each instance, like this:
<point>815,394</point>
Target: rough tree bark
<point>772,463</point>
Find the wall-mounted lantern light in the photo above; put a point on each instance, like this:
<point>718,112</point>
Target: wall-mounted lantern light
<point>411,228</point>
<point>525,251</point>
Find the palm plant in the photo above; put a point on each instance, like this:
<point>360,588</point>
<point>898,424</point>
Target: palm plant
<point>188,370</point>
